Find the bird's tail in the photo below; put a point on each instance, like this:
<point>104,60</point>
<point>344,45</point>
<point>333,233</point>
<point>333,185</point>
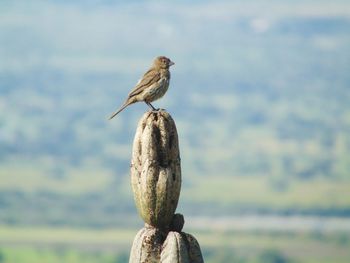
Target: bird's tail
<point>126,104</point>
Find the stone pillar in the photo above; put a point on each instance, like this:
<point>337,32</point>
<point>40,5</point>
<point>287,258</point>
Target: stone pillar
<point>156,184</point>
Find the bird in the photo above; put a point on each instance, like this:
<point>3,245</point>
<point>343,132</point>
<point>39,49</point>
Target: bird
<point>152,86</point>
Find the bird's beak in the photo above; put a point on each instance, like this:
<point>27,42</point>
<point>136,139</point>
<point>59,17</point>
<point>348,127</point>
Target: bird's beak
<point>171,63</point>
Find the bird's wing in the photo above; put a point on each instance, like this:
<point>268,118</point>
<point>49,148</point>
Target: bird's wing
<point>151,76</point>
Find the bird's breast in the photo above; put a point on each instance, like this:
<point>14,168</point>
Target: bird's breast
<point>157,90</point>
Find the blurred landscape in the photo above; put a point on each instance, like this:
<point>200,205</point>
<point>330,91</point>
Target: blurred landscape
<point>260,93</point>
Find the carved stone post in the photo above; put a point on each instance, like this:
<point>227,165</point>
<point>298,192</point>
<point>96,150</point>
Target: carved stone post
<point>156,184</point>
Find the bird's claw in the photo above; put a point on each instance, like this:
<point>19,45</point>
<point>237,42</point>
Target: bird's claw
<point>158,109</point>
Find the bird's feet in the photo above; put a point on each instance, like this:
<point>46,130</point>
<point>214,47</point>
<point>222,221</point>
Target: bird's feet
<point>151,107</point>
<point>158,109</point>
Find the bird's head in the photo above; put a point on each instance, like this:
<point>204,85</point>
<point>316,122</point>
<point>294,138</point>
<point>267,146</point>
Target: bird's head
<point>163,62</point>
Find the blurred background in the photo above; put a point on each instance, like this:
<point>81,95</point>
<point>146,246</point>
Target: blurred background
<point>261,97</point>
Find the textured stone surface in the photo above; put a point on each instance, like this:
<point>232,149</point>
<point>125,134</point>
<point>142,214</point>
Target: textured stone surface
<point>194,250</point>
<point>156,183</point>
<point>174,249</point>
<point>156,169</point>
<point>147,245</point>
<point>152,245</point>
<point>177,223</point>
<point>180,248</point>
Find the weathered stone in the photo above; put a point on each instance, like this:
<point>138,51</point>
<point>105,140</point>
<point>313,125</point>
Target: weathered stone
<point>156,169</point>
<point>156,183</point>
<point>180,248</point>
<point>147,245</point>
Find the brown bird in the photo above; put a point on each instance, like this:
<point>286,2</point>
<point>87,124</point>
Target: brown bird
<point>152,86</point>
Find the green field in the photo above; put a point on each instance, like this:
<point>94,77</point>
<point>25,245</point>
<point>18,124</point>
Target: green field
<point>96,197</point>
<point>49,245</point>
